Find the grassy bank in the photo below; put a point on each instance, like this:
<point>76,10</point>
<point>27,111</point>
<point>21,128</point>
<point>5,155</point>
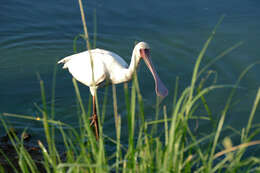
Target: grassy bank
<point>180,149</point>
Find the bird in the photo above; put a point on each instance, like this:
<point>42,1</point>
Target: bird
<point>109,68</point>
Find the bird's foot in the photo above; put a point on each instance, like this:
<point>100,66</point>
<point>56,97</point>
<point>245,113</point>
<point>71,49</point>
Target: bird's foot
<point>94,123</point>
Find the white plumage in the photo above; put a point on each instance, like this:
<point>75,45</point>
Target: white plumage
<point>108,67</point>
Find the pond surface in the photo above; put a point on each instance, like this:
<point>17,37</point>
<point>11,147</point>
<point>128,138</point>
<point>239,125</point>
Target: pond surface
<point>34,35</point>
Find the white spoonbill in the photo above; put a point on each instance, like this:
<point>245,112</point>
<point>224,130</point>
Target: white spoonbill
<point>109,68</point>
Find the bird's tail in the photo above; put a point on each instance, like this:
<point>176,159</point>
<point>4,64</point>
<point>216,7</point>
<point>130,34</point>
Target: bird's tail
<point>64,61</point>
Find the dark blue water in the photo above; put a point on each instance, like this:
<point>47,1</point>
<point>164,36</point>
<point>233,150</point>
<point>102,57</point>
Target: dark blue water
<point>35,34</point>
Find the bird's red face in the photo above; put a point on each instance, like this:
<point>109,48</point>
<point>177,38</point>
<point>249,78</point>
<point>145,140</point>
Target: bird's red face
<point>145,53</point>
<point>160,89</point>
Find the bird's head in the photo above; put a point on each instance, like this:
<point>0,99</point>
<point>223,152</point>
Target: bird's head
<point>142,51</point>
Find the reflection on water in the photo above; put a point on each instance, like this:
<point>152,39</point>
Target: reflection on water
<point>35,35</point>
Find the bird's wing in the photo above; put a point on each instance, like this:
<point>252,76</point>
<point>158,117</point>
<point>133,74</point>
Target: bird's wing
<point>110,56</point>
<point>115,66</point>
<point>107,66</point>
<point>79,66</point>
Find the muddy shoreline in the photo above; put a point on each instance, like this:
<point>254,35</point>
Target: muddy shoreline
<point>9,157</point>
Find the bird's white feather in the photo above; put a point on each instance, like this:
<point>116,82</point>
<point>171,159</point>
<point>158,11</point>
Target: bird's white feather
<point>107,65</point>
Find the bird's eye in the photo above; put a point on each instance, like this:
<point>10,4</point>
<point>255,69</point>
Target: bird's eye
<point>147,51</point>
<point>144,52</point>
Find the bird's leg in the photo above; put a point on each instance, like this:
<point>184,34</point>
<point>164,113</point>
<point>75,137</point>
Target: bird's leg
<point>94,119</point>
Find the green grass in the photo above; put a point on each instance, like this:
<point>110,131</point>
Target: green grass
<point>179,149</point>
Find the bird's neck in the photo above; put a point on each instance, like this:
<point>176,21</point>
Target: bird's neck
<point>133,65</point>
